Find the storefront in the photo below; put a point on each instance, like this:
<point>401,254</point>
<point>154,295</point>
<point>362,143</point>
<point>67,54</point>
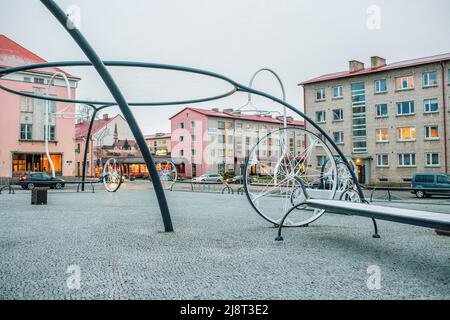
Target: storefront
<point>35,162</point>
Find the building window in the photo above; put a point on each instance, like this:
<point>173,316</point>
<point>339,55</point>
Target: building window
<point>26,79</point>
<point>431,132</point>
<point>193,152</point>
<point>382,135</point>
<point>181,152</point>
<point>239,126</point>
<point>406,134</point>
<point>404,83</point>
<point>181,138</point>
<point>430,79</point>
<point>338,115</point>
<point>181,125</point>
<point>193,138</point>
<point>359,133</point>
<point>321,160</point>
<point>26,104</point>
<point>320,94</point>
<point>430,105</point>
<point>192,124</point>
<point>405,108</point>
<point>51,133</point>
<point>407,160</point>
<point>320,116</point>
<point>381,110</point>
<point>432,159</point>
<point>221,124</point>
<point>382,160</point>
<point>338,137</point>
<point>39,80</point>
<point>221,139</point>
<point>247,141</point>
<point>337,92</point>
<point>380,86</point>
<point>26,131</point>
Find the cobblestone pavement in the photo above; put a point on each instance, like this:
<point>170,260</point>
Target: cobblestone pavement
<point>221,250</point>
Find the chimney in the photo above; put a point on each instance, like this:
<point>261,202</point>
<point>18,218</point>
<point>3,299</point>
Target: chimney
<point>228,110</point>
<point>215,109</point>
<point>377,62</point>
<point>355,66</point>
<point>105,116</point>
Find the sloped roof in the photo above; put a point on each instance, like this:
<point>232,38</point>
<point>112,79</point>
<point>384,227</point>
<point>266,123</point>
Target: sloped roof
<point>13,54</point>
<point>158,136</point>
<point>219,114</point>
<point>388,67</point>
<point>81,128</point>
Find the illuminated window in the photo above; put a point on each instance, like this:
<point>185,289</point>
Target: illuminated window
<point>406,134</point>
<point>431,132</point>
<point>382,135</point>
<point>404,83</point>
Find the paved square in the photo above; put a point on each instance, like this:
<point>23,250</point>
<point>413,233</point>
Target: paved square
<point>221,249</point>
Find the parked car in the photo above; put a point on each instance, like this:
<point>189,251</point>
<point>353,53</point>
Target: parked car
<point>209,177</point>
<point>40,179</point>
<point>423,183</point>
<point>236,179</point>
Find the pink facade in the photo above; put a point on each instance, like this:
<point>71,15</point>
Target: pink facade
<point>22,119</point>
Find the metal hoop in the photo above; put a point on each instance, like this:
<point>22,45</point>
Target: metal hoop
<point>112,175</point>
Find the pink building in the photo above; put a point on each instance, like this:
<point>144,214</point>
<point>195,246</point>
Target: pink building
<point>213,141</point>
<point>22,119</point>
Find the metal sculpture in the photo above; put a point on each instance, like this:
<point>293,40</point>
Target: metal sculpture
<point>168,173</point>
<point>119,100</point>
<point>112,175</point>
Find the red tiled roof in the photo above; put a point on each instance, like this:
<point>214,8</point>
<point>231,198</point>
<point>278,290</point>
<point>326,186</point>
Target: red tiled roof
<point>392,66</point>
<point>13,54</point>
<point>81,128</point>
<point>219,114</point>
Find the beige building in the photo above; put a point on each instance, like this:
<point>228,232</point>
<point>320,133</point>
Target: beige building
<point>159,143</point>
<point>391,119</point>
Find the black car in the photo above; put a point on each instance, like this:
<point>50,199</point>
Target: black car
<point>40,179</point>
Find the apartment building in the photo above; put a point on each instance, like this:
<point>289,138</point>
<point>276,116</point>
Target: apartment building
<point>213,141</point>
<point>391,119</point>
<point>159,143</point>
<point>22,119</point>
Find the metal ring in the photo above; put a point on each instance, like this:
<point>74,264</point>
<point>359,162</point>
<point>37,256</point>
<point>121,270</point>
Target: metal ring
<point>133,64</point>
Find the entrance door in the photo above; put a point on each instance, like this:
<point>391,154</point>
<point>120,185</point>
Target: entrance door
<point>194,170</point>
<point>361,171</point>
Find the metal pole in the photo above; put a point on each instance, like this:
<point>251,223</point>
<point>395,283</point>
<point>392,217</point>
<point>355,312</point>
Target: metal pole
<point>121,102</point>
<point>86,147</point>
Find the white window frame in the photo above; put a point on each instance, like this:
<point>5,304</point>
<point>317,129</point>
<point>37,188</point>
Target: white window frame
<point>428,130</point>
<point>402,80</point>
<point>340,89</point>
<point>402,157</point>
<point>340,135</point>
<point>377,82</point>
<point>427,103</point>
<point>426,79</point>
<point>380,160</point>
<point>376,110</point>
<point>429,156</point>
<point>406,140</point>
<point>324,117</point>
<point>341,114</point>
<point>323,94</point>
<point>412,106</point>
<point>376,135</point>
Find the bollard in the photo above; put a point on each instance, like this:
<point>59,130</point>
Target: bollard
<point>39,196</point>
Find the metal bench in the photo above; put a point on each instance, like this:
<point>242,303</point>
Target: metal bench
<point>426,219</point>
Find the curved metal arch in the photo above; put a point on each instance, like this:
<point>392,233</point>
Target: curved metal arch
<point>100,66</point>
<point>121,102</point>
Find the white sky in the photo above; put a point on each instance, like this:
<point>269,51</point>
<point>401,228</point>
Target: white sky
<point>298,39</point>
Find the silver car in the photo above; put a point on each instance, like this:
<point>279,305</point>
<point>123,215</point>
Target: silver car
<point>209,177</point>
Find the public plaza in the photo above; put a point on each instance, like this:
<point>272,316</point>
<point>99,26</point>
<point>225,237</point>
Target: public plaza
<point>221,249</point>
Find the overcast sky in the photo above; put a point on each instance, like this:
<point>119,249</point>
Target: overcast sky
<point>296,38</point>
